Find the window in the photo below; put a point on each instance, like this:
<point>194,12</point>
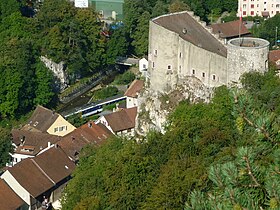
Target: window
<point>214,77</point>
<point>155,52</point>
<point>277,5</point>
<point>252,13</point>
<point>169,67</point>
<point>153,64</point>
<point>244,6</point>
<point>252,5</point>
<point>180,55</point>
<point>244,12</point>
<point>193,71</point>
<point>56,129</point>
<point>203,74</point>
<point>180,69</point>
<point>144,66</point>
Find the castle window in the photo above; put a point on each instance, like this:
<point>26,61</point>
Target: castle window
<point>193,71</point>
<point>153,65</point>
<point>214,77</point>
<point>169,67</point>
<point>180,55</point>
<point>203,74</point>
<point>155,52</point>
<point>180,68</point>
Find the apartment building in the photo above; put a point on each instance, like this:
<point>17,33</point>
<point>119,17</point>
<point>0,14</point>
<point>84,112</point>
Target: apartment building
<point>263,8</point>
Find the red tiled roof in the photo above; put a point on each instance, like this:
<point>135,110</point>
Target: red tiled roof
<point>88,133</point>
<point>41,119</point>
<point>35,140</point>
<point>195,33</point>
<point>39,174</point>
<point>134,89</point>
<point>274,56</point>
<point>9,200</point>
<point>122,120</point>
<point>229,29</point>
<point>30,177</point>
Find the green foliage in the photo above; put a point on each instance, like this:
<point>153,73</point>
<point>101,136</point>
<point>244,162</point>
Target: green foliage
<point>106,92</point>
<point>125,78</point>
<point>267,30</point>
<point>5,146</point>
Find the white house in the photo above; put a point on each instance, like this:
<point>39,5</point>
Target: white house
<point>41,178</point>
<point>132,93</point>
<point>29,144</point>
<point>121,122</point>
<point>143,66</point>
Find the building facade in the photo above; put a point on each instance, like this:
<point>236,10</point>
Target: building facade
<point>263,8</point>
<point>108,9</point>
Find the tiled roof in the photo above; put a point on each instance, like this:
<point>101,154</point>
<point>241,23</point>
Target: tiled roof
<point>41,119</point>
<point>35,141</point>
<point>122,120</point>
<point>274,56</point>
<point>230,29</point>
<point>134,89</point>
<point>190,30</point>
<point>39,174</point>
<point>9,200</point>
<point>89,133</point>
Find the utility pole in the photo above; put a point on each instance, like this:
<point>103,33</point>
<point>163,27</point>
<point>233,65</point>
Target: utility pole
<point>276,30</point>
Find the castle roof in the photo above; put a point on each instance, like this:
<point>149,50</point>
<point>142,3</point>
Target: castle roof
<point>230,29</point>
<point>192,31</point>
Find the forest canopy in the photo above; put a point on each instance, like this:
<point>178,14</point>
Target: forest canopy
<point>222,154</point>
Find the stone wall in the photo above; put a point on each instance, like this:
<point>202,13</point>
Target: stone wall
<point>246,54</point>
<point>58,70</point>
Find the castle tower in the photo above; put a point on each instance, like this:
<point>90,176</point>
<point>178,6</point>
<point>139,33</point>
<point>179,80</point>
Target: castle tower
<point>246,54</point>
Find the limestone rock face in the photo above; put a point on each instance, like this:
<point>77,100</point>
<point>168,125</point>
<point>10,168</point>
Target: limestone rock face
<point>58,70</point>
<point>154,107</point>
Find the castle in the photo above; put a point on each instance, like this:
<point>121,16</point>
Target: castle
<point>180,46</point>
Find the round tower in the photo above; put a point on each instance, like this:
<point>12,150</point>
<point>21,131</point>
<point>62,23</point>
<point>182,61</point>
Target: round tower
<point>246,54</point>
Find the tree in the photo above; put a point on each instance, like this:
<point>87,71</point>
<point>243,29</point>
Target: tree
<point>178,6</point>
<point>141,35</point>
<point>5,146</point>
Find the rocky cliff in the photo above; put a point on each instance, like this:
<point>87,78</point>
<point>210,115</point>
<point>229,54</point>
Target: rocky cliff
<point>58,70</point>
<point>154,107</point>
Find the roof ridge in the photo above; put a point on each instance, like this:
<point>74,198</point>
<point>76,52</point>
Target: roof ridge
<point>37,165</point>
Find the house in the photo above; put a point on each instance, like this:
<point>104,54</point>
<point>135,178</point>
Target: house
<point>108,9</point>
<point>47,121</point>
<point>132,93</point>
<point>143,67</point>
<point>274,57</point>
<point>9,200</point>
<point>30,144</point>
<point>86,134</point>
<point>40,178</point>
<point>121,122</point>
<point>262,8</point>
<point>230,30</point>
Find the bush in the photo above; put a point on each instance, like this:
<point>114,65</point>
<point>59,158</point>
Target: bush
<point>125,78</point>
<point>106,92</point>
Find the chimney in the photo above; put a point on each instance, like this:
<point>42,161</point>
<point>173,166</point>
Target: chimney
<point>184,31</point>
<point>90,124</point>
<point>22,140</point>
<point>49,144</point>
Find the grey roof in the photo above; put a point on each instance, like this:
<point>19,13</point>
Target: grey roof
<point>194,31</point>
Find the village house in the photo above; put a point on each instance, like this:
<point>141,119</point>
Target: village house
<point>143,67</point>
<point>40,180</point>
<point>230,30</point>
<point>274,57</point>
<point>121,122</point>
<point>9,200</point>
<point>47,121</point>
<point>30,144</point>
<point>87,134</point>
<point>132,93</point>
